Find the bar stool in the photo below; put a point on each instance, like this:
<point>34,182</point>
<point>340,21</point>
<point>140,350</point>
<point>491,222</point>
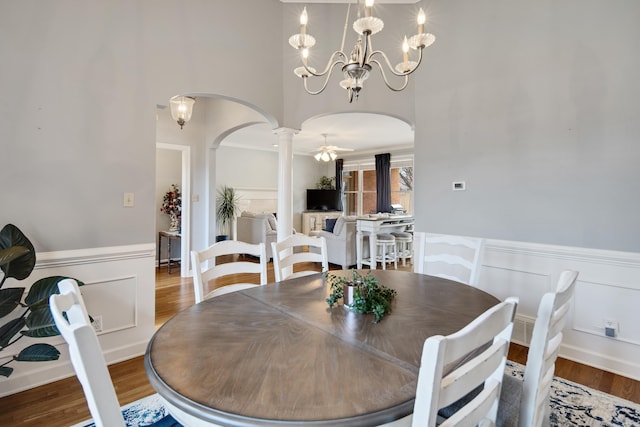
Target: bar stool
<point>386,246</point>
<point>404,246</point>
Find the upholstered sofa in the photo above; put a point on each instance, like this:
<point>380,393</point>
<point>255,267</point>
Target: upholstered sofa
<point>257,228</point>
<point>341,241</point>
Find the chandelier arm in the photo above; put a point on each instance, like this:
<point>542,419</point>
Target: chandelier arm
<point>386,60</point>
<point>330,65</point>
<point>384,77</point>
<point>326,80</point>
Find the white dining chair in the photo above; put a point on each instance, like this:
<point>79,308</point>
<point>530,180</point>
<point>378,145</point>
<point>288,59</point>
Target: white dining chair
<point>206,268</point>
<point>487,338</point>
<point>86,356</point>
<point>526,402</point>
<point>295,249</point>
<point>451,257</point>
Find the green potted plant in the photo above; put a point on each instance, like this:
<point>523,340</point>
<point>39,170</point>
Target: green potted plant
<point>326,183</point>
<point>17,260</point>
<point>362,294</point>
<point>227,210</point>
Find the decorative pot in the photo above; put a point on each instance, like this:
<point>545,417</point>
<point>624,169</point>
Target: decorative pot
<point>174,225</point>
<point>349,293</point>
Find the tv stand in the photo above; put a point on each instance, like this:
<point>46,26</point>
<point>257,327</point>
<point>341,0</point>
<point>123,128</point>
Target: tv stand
<point>314,220</point>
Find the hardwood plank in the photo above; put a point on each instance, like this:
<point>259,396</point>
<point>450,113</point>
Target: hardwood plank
<point>62,403</point>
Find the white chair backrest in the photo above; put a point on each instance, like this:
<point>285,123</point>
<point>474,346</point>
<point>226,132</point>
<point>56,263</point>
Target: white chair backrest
<point>488,337</point>
<point>206,269</point>
<point>86,354</point>
<point>543,351</point>
<point>456,258</point>
<point>290,251</point>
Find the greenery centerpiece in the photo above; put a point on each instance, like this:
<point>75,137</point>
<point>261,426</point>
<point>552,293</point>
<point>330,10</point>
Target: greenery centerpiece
<point>17,260</point>
<point>227,210</point>
<point>361,293</point>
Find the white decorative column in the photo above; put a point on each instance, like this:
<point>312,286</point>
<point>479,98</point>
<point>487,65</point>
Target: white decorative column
<point>285,183</point>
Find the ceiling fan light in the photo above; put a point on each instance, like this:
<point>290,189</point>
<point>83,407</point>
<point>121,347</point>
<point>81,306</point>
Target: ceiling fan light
<point>333,155</point>
<point>318,156</point>
<point>325,156</point>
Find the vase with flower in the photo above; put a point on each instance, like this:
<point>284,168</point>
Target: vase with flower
<point>172,206</point>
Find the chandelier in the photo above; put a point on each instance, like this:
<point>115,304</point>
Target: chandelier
<point>357,66</point>
<point>181,108</point>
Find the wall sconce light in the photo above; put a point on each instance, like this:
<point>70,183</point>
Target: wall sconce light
<point>181,108</point>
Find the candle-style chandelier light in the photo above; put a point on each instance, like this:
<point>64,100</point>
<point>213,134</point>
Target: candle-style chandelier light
<point>357,66</point>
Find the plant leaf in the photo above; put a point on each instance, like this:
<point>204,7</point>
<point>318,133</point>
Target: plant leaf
<point>6,371</point>
<point>9,254</point>
<point>21,267</point>
<point>9,330</point>
<point>40,323</point>
<point>9,300</point>
<point>38,353</point>
<point>42,289</point>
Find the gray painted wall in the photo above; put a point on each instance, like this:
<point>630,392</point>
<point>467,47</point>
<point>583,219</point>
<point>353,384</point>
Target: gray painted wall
<point>80,84</point>
<point>535,105</point>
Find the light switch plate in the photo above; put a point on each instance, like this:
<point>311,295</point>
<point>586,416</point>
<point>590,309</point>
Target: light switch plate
<point>128,200</point>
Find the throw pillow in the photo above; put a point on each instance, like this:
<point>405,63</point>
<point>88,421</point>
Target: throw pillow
<point>272,222</point>
<point>337,229</point>
<point>330,224</point>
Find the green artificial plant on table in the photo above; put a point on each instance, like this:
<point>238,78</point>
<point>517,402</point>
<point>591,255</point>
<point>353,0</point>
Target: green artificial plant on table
<point>17,260</point>
<point>369,296</point>
<point>227,209</point>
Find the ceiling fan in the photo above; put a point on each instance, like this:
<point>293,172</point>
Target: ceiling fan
<point>328,152</point>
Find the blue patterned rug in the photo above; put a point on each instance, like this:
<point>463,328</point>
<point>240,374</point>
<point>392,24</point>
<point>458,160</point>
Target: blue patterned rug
<point>576,405</point>
<point>571,405</point>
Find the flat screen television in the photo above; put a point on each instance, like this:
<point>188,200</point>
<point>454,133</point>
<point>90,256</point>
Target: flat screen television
<point>323,200</point>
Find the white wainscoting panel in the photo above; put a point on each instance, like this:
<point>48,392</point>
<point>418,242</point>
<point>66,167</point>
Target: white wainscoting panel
<point>119,286</point>
<point>608,287</point>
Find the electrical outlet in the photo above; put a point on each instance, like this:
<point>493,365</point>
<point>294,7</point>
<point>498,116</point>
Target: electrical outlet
<point>97,323</point>
<point>611,327</point>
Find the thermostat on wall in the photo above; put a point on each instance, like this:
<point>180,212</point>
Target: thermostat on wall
<point>459,186</point>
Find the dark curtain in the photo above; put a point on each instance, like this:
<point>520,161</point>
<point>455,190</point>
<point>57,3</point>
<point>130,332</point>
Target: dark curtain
<point>339,167</point>
<point>383,182</point>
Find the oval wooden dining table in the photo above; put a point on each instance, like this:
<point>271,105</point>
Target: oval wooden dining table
<point>277,355</point>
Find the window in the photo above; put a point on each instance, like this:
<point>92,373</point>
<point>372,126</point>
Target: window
<point>359,186</point>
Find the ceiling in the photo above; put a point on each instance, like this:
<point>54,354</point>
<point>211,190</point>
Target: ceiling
<point>361,132</point>
<point>350,1</point>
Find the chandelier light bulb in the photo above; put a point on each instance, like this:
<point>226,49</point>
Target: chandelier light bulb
<point>421,20</point>
<point>318,156</point>
<point>325,156</point>
<point>368,4</point>
<point>303,21</point>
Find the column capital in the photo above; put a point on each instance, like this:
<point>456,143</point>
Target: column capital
<point>286,131</point>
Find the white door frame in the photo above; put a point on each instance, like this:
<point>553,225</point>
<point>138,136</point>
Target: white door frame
<point>185,240</point>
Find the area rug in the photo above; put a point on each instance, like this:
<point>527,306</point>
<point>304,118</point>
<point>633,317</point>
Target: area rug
<point>571,405</point>
<point>148,411</point>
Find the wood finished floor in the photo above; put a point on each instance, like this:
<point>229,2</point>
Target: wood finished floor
<point>62,403</point>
